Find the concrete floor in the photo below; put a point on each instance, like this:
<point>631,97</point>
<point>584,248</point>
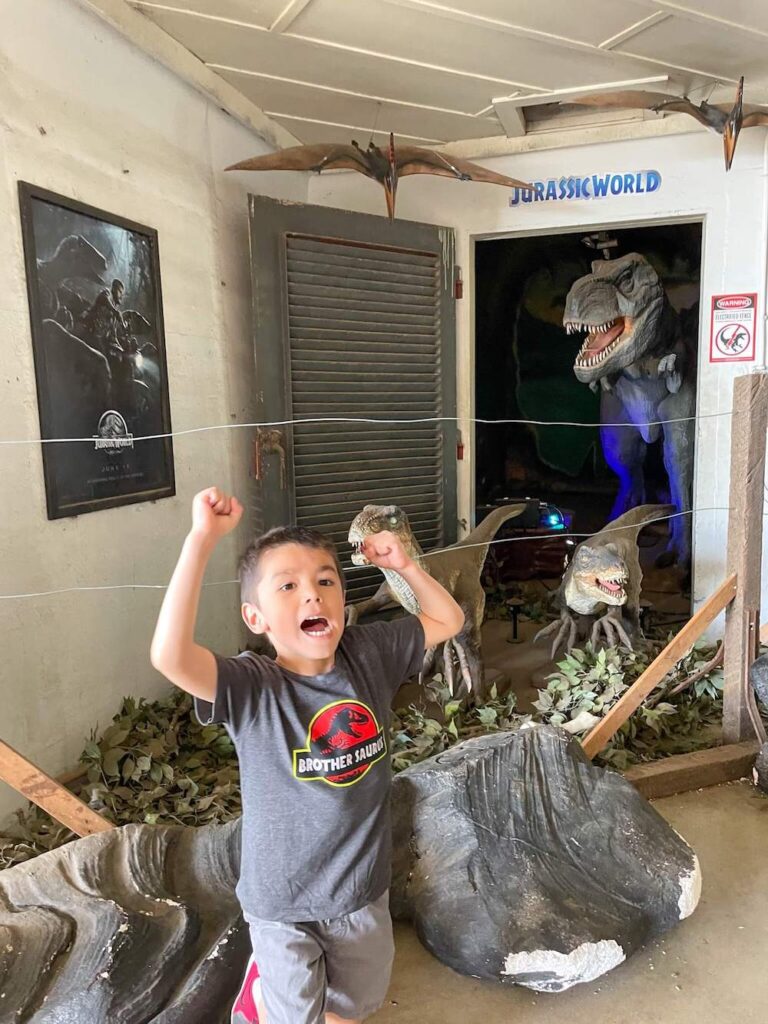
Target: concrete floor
<point>710,970</point>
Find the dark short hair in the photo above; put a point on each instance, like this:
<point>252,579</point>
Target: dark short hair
<point>248,569</point>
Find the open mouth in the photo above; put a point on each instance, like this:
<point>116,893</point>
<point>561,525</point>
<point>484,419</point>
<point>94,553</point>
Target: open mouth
<point>601,340</point>
<point>613,587</point>
<point>316,626</point>
<point>358,558</point>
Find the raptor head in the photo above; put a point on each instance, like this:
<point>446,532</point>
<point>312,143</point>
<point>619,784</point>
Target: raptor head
<point>374,519</point>
<point>619,305</point>
<point>600,573</point>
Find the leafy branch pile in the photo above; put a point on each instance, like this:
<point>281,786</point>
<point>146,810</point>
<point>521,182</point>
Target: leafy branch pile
<point>417,735</point>
<point>588,684</point>
<point>156,764</point>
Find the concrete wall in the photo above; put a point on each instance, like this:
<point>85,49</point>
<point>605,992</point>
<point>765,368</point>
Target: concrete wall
<point>733,207</point>
<point>87,115</point>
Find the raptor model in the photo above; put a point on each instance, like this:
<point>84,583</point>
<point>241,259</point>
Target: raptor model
<point>635,352</point>
<point>457,568</point>
<point>601,586</point>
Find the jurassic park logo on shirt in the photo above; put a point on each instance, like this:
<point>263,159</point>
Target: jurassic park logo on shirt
<point>343,741</point>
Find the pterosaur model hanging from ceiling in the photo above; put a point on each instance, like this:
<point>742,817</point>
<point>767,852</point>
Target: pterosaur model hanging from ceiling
<point>722,118</point>
<point>373,162</point>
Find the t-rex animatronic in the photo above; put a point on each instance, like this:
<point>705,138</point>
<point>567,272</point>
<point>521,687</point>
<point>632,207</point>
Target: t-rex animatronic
<point>601,586</point>
<point>457,568</point>
<point>635,352</point>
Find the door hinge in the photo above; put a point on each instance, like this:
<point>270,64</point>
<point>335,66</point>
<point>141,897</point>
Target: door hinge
<point>268,442</point>
<point>458,285</point>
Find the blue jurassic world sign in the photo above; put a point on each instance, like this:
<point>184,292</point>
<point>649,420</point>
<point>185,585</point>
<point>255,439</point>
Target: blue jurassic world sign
<point>591,186</point>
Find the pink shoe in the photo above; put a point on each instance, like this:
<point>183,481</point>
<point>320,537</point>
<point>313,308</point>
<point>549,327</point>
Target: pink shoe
<point>244,1011</point>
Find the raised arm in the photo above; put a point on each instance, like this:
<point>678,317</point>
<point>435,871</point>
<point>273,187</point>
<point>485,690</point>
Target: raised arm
<point>174,652</point>
<point>440,615</point>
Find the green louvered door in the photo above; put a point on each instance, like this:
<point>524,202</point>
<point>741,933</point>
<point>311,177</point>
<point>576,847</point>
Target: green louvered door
<point>354,320</point>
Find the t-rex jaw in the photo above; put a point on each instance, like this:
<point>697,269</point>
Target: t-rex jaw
<point>601,340</point>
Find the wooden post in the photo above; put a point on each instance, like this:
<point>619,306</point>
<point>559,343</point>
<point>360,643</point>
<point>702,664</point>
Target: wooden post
<point>683,772</point>
<point>745,547</point>
<point>47,793</point>
<point>597,739</point>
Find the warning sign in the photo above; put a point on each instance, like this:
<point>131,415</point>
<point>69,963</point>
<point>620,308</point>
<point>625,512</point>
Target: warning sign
<point>732,335</point>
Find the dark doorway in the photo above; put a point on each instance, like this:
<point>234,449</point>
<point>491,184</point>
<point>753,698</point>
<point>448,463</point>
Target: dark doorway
<point>524,366</point>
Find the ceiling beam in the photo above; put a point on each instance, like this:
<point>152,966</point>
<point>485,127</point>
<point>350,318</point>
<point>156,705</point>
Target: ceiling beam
<point>288,15</point>
<point>149,37</point>
<point>512,118</point>
<point>635,30</point>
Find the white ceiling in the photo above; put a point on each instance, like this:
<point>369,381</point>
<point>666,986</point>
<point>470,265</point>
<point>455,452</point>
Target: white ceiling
<point>329,70</point>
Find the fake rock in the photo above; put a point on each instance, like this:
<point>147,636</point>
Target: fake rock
<point>137,925</point>
<point>760,770</point>
<point>758,677</point>
<point>519,860</point>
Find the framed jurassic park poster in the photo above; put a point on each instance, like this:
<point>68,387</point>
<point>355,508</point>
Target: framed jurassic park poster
<point>93,282</point>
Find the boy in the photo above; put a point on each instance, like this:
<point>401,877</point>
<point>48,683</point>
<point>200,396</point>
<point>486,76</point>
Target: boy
<point>310,730</point>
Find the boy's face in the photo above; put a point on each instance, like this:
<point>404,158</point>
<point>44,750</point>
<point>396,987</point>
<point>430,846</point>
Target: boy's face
<point>298,604</point>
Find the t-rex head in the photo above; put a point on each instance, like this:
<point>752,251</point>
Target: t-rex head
<point>599,573</point>
<point>619,305</point>
<point>374,519</point>
<point>76,257</point>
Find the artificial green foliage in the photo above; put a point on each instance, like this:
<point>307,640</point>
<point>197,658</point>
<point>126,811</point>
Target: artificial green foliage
<point>156,764</point>
<point>418,733</point>
<point>588,683</point>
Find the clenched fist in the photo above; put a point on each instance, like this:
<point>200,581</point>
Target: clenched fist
<point>385,550</point>
<point>214,513</point>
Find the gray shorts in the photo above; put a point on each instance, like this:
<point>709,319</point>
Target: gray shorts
<point>340,966</point>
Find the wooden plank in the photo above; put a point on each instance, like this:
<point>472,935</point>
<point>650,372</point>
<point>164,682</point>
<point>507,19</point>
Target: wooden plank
<point>41,789</point>
<point>684,772</point>
<point>744,553</point>
<point>598,738</point>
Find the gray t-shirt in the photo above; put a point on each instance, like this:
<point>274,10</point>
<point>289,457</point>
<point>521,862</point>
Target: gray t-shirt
<point>315,771</point>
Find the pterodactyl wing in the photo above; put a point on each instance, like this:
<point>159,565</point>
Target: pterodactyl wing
<point>754,118</point>
<point>320,157</point>
<point>639,100</point>
<point>415,160</point>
